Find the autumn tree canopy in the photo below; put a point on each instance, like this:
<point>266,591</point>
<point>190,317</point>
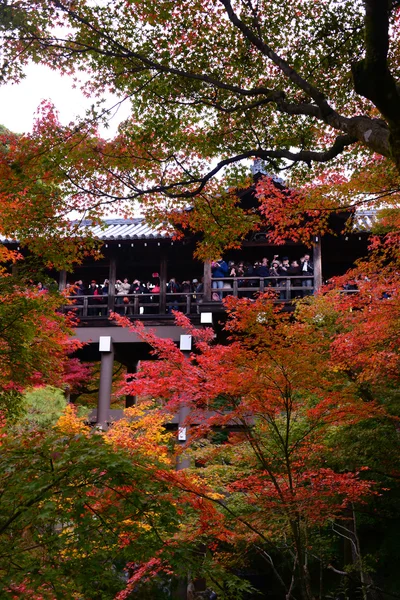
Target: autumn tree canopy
<point>35,341</point>
<point>288,426</point>
<point>210,84</point>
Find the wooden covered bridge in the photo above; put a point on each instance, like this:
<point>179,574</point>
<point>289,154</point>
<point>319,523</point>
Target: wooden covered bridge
<point>131,249</point>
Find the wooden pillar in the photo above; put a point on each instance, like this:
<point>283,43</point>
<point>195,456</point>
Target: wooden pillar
<point>163,284</point>
<point>317,260</point>
<point>67,393</point>
<point>187,588</point>
<point>112,276</point>
<point>183,434</point>
<point>184,410</point>
<point>207,281</point>
<point>62,281</point>
<point>131,400</point>
<point>106,376</point>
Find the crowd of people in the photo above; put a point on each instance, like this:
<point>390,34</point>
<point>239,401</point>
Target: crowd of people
<point>273,273</point>
<point>126,291</point>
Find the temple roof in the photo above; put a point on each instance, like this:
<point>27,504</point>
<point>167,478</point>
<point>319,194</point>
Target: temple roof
<point>117,229</point>
<point>125,229</point>
<point>364,220</point>
<point>135,229</point>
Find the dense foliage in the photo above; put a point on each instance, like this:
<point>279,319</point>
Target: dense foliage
<point>211,84</point>
<point>293,424</point>
<point>293,484</point>
<point>35,341</point>
<point>314,402</point>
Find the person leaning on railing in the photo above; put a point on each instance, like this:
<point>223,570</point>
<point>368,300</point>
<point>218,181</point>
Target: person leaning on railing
<point>173,288</point>
<point>307,268</point>
<point>219,268</point>
<point>292,271</point>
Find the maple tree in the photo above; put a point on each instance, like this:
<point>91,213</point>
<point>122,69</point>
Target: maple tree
<point>94,515</point>
<point>75,512</point>
<point>280,488</point>
<point>210,84</point>
<point>290,389</point>
<point>35,342</point>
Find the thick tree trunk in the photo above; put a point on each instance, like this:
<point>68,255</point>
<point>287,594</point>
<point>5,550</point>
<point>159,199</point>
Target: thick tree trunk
<point>372,77</point>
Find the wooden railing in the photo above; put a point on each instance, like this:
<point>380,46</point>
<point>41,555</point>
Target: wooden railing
<point>132,304</point>
<point>286,288</point>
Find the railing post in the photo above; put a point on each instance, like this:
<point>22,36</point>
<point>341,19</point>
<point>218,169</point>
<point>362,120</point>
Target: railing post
<point>317,260</point>
<point>62,282</point>
<point>288,288</point>
<point>207,281</point>
<point>235,287</point>
<point>85,306</point>
<point>188,304</point>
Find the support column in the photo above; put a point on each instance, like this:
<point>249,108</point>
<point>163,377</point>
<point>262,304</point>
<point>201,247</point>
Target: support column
<point>163,284</point>
<point>131,400</point>
<point>185,346</point>
<point>317,260</point>
<point>62,282</point>
<point>67,394</point>
<point>106,376</point>
<point>207,281</point>
<point>112,276</point>
<point>187,588</point>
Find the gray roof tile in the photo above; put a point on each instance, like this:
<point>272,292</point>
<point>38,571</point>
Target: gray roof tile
<point>119,229</point>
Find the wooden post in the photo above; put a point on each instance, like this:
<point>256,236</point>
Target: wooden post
<point>317,260</point>
<point>85,306</point>
<point>131,400</point>
<point>288,289</point>
<point>184,410</point>
<point>112,276</point>
<point>106,376</point>
<point>62,281</point>
<point>207,281</point>
<point>188,303</point>
<point>163,285</point>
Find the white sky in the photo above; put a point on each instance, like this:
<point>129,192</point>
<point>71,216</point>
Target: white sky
<point>19,102</point>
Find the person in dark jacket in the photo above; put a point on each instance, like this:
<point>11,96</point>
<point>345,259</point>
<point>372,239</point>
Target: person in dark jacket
<point>263,269</point>
<point>219,268</point>
<point>94,298</point>
<point>173,288</point>
<point>293,270</point>
<point>282,270</point>
<point>307,268</point>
